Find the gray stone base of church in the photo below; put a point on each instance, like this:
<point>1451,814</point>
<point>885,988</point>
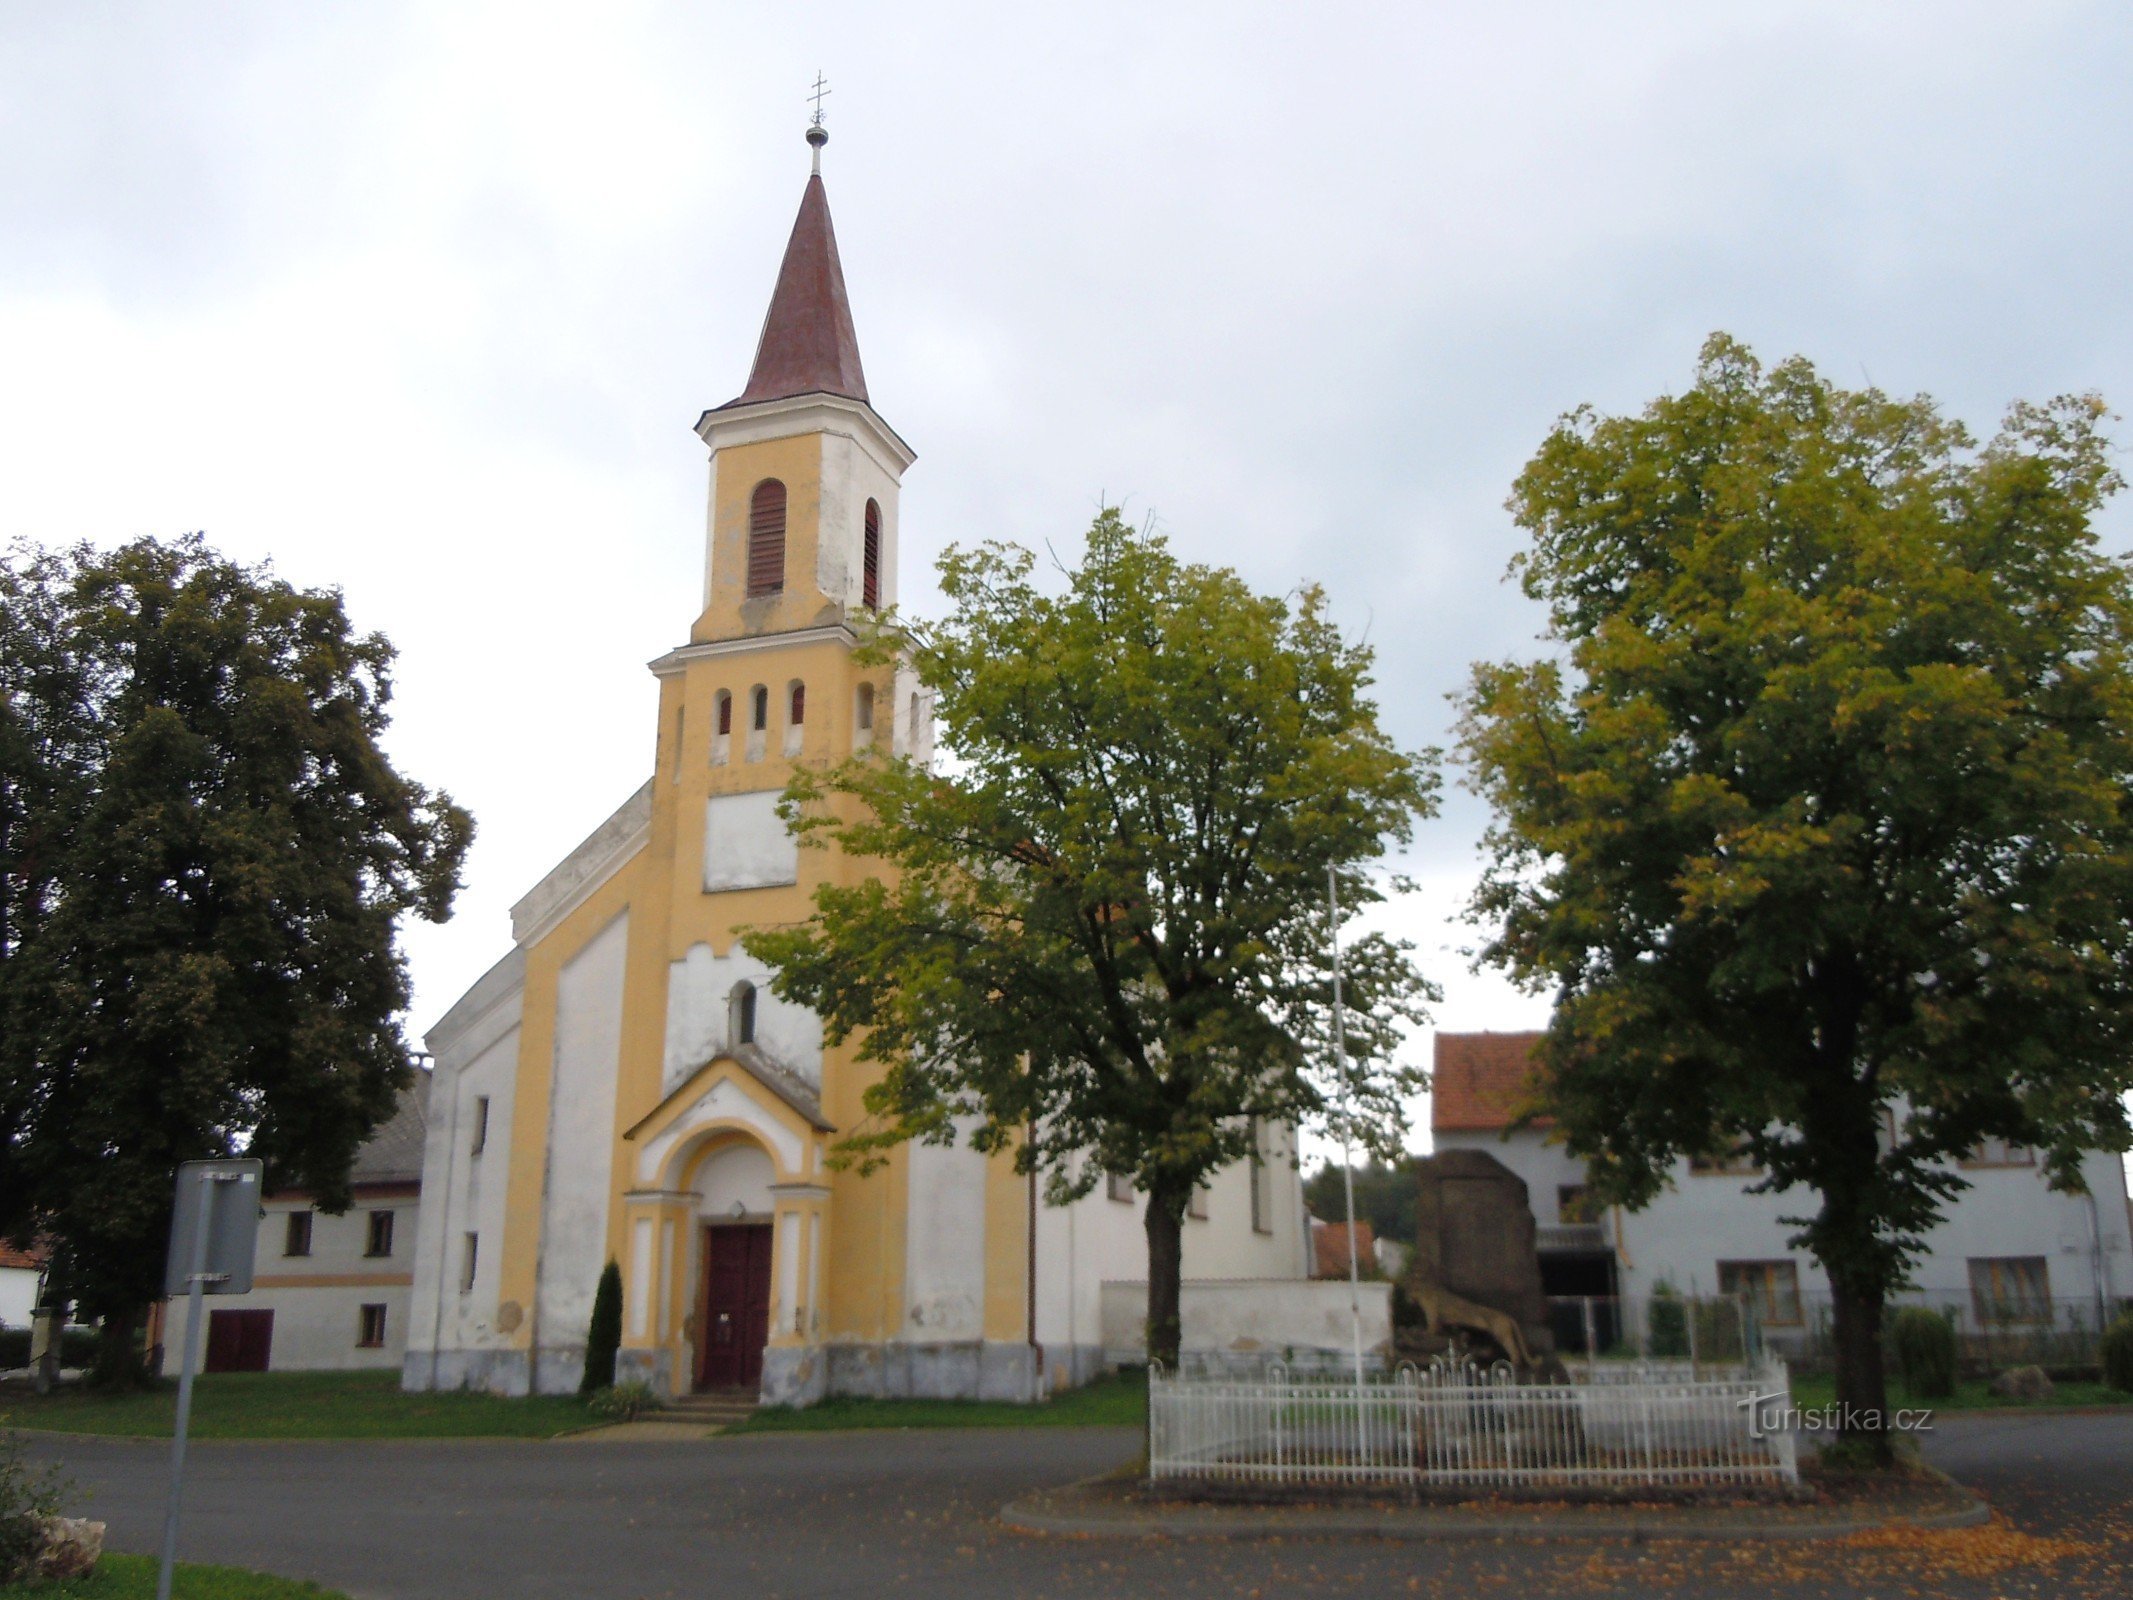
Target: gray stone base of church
<point>642,1366</point>
<point>961,1370</point>
<point>486,1371</point>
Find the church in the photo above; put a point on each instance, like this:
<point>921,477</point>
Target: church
<point>623,1085</point>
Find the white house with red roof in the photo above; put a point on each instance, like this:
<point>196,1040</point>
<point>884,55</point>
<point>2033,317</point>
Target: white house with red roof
<point>2007,1247</point>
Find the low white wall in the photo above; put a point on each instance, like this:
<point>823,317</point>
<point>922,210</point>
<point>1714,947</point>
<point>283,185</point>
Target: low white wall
<point>1251,1315</point>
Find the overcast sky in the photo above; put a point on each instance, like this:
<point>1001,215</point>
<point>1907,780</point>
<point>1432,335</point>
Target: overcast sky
<point>422,301</point>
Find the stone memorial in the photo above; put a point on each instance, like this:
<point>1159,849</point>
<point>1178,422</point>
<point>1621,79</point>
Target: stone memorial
<point>1475,1269</point>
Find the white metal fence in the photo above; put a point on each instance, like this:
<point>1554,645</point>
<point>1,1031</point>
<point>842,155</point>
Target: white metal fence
<point>1458,1426</point>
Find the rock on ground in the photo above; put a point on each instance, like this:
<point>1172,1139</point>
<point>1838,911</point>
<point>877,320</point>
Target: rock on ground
<point>70,1549</point>
<point>2023,1383</point>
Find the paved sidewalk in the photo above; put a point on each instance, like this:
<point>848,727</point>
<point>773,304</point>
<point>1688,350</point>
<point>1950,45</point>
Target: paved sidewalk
<point>1118,1508</point>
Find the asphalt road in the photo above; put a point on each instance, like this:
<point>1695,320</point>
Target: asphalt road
<point>909,1513</point>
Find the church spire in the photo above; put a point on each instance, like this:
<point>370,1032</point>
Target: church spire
<point>808,345</point>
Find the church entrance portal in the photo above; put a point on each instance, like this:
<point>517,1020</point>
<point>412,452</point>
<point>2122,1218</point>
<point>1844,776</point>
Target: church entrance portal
<point>735,1323</point>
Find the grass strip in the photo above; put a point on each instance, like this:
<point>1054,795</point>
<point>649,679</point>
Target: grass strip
<point>119,1577</point>
<point>1111,1402</point>
<point>298,1405</point>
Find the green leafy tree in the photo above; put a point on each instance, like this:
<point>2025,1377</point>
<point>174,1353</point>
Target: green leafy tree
<point>203,856</point>
<point>1814,820</point>
<point>1103,933</point>
<point>1384,1197</point>
<point>603,1335</point>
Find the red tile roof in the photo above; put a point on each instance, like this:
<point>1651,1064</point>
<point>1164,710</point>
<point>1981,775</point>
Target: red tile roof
<point>1329,1249</point>
<point>808,344</point>
<point>1480,1081</point>
<point>26,1260</point>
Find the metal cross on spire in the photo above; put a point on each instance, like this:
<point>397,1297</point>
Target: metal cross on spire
<point>817,135</point>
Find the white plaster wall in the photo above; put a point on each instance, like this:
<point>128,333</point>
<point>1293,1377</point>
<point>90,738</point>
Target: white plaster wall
<point>746,843</point>
<point>1244,1317</point>
<point>699,987</point>
<point>851,475</point>
<point>581,1132</point>
<point>315,1327</point>
<point>476,1050</point>
<point>1096,1240</point>
<point>944,1270</point>
<point>1546,1168</point>
<point>735,1175</point>
<point>18,1296</point>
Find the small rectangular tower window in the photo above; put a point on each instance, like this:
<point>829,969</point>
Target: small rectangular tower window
<point>468,1256</point>
<point>481,1125</point>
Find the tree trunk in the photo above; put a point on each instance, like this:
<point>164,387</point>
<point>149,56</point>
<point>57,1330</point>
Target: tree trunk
<point>1165,1224</point>
<point>1862,1375</point>
<point>118,1360</point>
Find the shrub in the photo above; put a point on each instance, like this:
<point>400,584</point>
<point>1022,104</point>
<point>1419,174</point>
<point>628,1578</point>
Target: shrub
<point>1925,1352</point>
<point>623,1402</point>
<point>26,1498</point>
<point>1667,1322</point>
<point>604,1336</point>
<point>2118,1354</point>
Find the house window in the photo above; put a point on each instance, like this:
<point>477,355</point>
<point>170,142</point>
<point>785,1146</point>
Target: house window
<point>470,1250</point>
<point>381,1234</point>
<point>1119,1187</point>
<point>870,559</point>
<point>766,539</point>
<point>741,1020</point>
<point>297,1241</point>
<point>1739,1164</point>
<point>481,1125</point>
<point>1771,1287</point>
<point>370,1328</point>
<point>1262,1181</point>
<point>1574,1206</point>
<point>2001,1153</point>
<point>2010,1290</point>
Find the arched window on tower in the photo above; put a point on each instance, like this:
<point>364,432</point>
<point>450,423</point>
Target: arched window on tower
<point>795,715</point>
<point>870,559</point>
<point>722,726</point>
<point>740,1015</point>
<point>863,714</point>
<point>762,709</point>
<point>766,539</point>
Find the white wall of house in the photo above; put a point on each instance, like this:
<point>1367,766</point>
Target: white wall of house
<point>317,1298</point>
<point>1100,1239</point>
<point>1703,1219</point>
<point>18,1296</point>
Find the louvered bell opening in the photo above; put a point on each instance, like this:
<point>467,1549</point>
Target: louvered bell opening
<point>870,560</point>
<point>766,539</point>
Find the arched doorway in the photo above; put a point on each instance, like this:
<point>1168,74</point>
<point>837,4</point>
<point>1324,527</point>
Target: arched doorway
<point>733,1265</point>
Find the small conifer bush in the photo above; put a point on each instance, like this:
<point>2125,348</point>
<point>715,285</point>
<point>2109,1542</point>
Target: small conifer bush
<point>604,1336</point>
<point>1925,1352</point>
<point>2118,1354</point>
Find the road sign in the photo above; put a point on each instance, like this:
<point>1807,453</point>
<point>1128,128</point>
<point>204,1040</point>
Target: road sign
<point>212,1231</point>
<point>231,1194</point>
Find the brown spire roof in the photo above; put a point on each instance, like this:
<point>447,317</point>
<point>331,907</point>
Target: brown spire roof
<point>808,346</point>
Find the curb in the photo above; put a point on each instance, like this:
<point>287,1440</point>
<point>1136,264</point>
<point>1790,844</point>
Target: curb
<point>1419,1523</point>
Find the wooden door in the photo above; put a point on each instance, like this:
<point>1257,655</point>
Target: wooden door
<point>239,1341</point>
<point>735,1321</point>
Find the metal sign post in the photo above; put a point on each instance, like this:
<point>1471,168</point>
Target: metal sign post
<point>213,1228</point>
